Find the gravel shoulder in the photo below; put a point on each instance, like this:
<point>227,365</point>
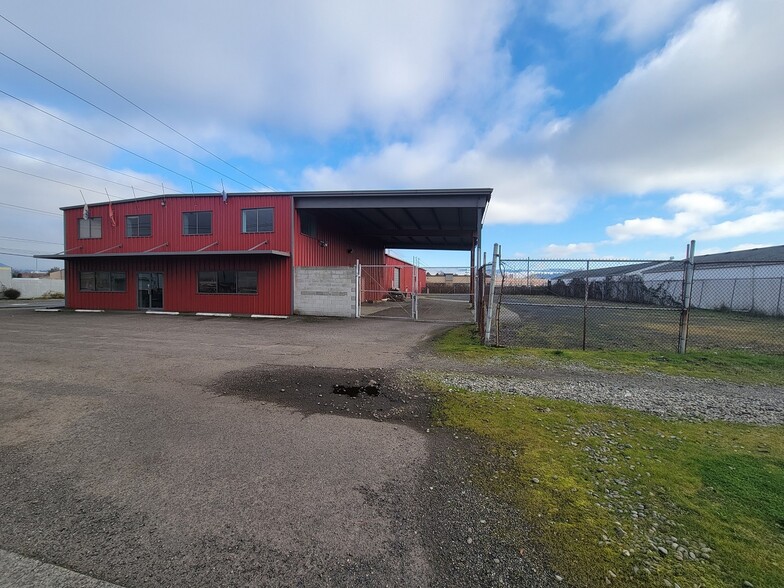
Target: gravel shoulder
<point>669,397</point>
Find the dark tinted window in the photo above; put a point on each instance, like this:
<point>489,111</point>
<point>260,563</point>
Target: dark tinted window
<point>197,223</point>
<point>139,225</point>
<point>228,282</point>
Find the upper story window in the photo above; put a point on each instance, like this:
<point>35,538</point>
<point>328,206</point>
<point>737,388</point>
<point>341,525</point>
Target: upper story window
<point>90,228</point>
<point>197,223</point>
<point>139,225</point>
<point>257,220</point>
<point>307,224</point>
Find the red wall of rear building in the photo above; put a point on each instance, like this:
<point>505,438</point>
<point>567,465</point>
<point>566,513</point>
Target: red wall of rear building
<point>406,275</point>
<point>167,225</point>
<point>180,283</point>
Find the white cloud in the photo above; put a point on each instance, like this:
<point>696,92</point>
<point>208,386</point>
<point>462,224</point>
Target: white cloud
<point>745,246</point>
<point>692,211</point>
<point>703,113</point>
<point>763,222</point>
<point>570,250</point>
<point>631,20</point>
<point>305,65</point>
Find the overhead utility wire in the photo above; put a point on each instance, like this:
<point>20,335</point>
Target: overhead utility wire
<point>74,170</point>
<point>19,171</point>
<point>118,119</point>
<point>114,171</point>
<point>132,103</point>
<point>16,254</point>
<point>57,214</point>
<point>29,240</point>
<point>54,116</point>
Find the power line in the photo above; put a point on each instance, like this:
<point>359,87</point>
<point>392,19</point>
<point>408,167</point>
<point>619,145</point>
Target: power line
<point>16,254</point>
<point>118,119</point>
<point>73,170</point>
<point>6,204</point>
<point>19,171</point>
<point>129,101</point>
<point>28,240</point>
<point>70,124</point>
<point>127,175</point>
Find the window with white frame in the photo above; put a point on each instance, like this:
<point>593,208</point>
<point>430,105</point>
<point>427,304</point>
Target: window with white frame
<point>257,220</point>
<point>90,228</point>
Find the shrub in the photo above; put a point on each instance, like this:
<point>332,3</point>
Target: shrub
<point>12,293</point>
<point>51,295</point>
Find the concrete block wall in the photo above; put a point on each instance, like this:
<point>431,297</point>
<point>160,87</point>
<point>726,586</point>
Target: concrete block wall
<point>325,291</point>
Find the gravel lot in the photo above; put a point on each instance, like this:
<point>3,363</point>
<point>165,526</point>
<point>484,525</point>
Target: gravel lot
<point>184,451</point>
<point>187,451</point>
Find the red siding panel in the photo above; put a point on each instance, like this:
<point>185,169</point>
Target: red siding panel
<point>342,248</point>
<point>167,225</point>
<point>180,284</point>
<point>406,275</point>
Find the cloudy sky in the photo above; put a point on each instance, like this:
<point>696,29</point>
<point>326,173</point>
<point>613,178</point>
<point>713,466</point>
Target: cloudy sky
<point>607,128</point>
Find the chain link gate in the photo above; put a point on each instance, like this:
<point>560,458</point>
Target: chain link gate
<point>406,291</point>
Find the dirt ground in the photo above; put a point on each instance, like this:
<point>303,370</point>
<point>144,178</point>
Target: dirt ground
<point>188,451</point>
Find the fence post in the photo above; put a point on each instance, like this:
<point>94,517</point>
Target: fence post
<point>585,302</point>
<point>490,298</point>
<point>357,286</point>
<point>688,282</point>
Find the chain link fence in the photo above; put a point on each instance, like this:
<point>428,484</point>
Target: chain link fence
<point>634,305</point>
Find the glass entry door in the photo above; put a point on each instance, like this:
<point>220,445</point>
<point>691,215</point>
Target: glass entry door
<point>150,290</point>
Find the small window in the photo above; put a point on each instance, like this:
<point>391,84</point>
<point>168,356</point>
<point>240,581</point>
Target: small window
<point>197,223</point>
<point>208,282</point>
<point>228,282</point>
<point>139,225</point>
<point>102,281</point>
<point>90,228</point>
<point>307,224</point>
<point>87,281</point>
<point>257,220</point>
<point>247,282</point>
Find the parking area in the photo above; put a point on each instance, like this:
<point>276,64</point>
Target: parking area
<point>123,459</point>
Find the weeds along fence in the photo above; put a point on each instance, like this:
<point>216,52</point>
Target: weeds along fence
<point>635,305</point>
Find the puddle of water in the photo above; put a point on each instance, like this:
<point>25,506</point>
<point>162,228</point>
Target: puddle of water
<point>371,389</point>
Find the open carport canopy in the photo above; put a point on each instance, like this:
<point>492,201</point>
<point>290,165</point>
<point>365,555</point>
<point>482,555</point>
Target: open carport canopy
<point>405,219</point>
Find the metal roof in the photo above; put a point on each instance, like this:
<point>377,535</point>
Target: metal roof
<point>617,270</point>
<point>395,219</point>
<point>760,255</point>
<point>405,219</point>
<point>162,254</point>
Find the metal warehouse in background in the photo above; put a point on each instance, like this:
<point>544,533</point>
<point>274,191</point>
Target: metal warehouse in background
<point>268,254</point>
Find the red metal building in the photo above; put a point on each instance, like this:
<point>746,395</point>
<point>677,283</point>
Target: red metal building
<point>238,253</point>
<point>399,275</point>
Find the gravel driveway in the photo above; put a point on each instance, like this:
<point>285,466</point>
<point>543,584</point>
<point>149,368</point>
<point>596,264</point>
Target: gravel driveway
<point>184,451</point>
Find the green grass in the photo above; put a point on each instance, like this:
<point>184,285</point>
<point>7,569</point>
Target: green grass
<point>714,484</point>
<point>732,366</point>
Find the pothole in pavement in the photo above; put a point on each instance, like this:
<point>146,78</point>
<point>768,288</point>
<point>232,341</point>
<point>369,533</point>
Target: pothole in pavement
<point>361,393</point>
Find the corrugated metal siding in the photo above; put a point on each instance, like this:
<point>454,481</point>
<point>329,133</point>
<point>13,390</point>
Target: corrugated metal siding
<point>406,274</point>
<point>180,284</point>
<point>167,225</point>
<point>309,253</point>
